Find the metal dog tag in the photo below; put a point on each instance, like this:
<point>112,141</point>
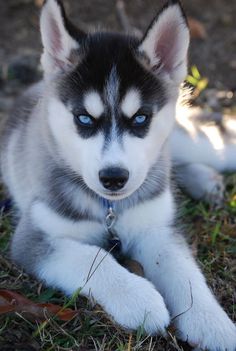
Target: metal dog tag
<point>114,242</point>
<point>110,219</point>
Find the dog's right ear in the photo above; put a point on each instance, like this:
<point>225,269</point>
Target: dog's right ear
<point>59,37</point>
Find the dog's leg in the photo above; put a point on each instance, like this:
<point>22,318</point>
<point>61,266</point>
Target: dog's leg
<point>198,317</point>
<point>69,265</point>
<point>201,182</point>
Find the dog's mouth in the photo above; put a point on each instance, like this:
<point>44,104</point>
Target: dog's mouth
<point>115,195</point>
<point>122,194</point>
<point>109,195</point>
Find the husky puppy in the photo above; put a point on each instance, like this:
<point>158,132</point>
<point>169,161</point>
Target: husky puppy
<point>85,158</point>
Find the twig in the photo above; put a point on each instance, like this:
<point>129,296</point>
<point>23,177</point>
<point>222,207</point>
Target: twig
<point>189,308</point>
<point>91,273</point>
<point>124,20</point>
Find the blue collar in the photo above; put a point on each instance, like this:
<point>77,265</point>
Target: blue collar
<point>106,203</point>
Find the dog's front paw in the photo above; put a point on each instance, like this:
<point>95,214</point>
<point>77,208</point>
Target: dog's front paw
<point>211,330</point>
<point>138,304</point>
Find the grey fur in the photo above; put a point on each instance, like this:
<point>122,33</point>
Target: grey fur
<point>32,167</point>
<point>51,158</point>
<point>62,187</point>
<point>56,184</point>
<point>41,174</point>
<point>112,90</point>
<point>29,245</point>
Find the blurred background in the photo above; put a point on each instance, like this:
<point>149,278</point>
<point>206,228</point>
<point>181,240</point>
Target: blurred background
<point>212,53</point>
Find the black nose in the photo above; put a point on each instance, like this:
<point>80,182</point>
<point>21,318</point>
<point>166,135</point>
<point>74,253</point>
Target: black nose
<point>113,178</point>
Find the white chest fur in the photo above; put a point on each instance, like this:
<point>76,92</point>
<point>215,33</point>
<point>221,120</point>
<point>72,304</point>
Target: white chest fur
<point>133,222</point>
<point>145,218</point>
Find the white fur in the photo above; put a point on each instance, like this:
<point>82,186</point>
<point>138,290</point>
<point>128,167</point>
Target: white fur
<point>145,230</point>
<point>203,137</point>
<point>201,150</point>
<point>92,149</point>
<point>168,32</point>
<point>168,264</point>
<point>130,300</point>
<point>48,221</point>
<point>131,102</point>
<point>161,208</point>
<point>53,30</point>
<point>201,181</point>
<point>93,104</point>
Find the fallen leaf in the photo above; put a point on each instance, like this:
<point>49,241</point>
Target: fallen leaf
<point>39,3</point>
<point>11,301</point>
<point>197,29</point>
<point>133,266</point>
<point>6,309</point>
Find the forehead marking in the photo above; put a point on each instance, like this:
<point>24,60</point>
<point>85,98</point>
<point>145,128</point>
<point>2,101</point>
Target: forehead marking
<point>112,89</point>
<point>112,98</point>
<point>131,102</point>
<point>93,104</point>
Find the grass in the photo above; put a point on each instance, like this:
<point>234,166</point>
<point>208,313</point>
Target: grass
<point>211,234</point>
<point>195,80</point>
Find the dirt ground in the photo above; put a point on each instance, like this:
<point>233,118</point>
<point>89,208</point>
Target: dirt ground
<point>215,57</point>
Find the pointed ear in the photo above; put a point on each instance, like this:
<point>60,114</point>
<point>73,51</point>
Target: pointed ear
<point>58,43</point>
<point>166,42</point>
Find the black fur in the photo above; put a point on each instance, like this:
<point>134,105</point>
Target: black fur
<point>100,53</point>
<point>63,186</point>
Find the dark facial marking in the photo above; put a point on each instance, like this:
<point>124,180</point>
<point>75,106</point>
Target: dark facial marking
<point>101,54</point>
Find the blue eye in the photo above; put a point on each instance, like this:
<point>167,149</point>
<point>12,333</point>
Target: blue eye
<point>85,120</point>
<point>139,120</point>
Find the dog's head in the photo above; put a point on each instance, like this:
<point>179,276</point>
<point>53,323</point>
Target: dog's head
<point>111,102</point>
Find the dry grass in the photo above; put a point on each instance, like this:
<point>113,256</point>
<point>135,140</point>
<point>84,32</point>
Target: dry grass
<point>211,233</point>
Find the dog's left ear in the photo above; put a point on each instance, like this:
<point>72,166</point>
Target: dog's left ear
<point>166,42</point>
<point>59,37</point>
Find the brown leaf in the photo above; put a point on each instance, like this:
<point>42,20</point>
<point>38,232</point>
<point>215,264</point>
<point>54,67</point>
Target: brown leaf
<point>6,309</point>
<point>39,3</point>
<point>197,29</point>
<point>64,314</point>
<point>11,301</point>
<point>134,267</point>
<point>171,329</point>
